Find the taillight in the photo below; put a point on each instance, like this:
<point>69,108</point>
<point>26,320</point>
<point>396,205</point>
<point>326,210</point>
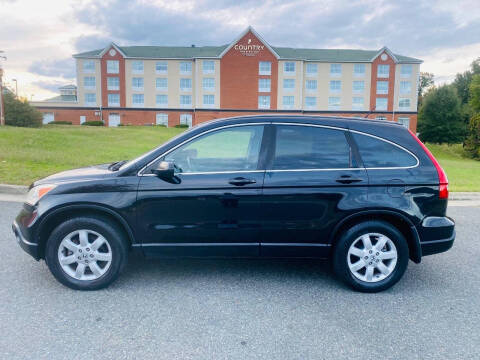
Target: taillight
<point>442,176</point>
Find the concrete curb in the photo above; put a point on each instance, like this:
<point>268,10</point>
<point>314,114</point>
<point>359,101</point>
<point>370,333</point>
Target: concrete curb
<point>13,189</point>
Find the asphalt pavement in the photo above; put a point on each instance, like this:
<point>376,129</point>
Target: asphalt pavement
<point>243,309</point>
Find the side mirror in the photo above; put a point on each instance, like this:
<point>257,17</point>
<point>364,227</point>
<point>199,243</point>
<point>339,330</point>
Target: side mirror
<point>165,170</point>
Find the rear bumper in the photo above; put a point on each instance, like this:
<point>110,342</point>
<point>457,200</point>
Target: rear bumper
<point>27,246</point>
<point>437,235</point>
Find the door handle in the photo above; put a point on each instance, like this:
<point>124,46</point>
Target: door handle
<point>347,179</point>
<point>240,181</point>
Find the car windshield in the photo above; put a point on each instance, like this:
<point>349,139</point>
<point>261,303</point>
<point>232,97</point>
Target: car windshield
<point>147,154</point>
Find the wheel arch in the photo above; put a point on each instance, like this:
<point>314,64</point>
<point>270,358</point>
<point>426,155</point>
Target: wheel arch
<point>400,221</point>
<point>59,215</point>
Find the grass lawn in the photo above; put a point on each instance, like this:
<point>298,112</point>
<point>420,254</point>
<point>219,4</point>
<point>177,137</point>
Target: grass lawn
<point>29,154</point>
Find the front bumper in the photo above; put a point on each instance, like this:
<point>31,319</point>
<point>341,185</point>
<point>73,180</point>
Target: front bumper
<point>27,246</point>
<point>437,234</point>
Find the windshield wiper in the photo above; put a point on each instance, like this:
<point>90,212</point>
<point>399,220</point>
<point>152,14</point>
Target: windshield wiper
<point>116,165</point>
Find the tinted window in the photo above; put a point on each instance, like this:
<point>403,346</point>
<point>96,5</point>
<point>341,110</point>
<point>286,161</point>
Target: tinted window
<point>308,147</point>
<point>377,153</point>
<point>232,149</point>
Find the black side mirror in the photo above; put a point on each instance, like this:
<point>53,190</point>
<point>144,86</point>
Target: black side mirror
<point>165,170</point>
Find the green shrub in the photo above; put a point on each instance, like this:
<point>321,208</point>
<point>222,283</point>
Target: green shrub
<point>60,122</point>
<point>20,112</point>
<point>472,143</point>
<point>181,126</point>
<point>93,123</point>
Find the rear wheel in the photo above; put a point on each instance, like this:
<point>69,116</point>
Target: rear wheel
<point>371,256</point>
<point>86,253</point>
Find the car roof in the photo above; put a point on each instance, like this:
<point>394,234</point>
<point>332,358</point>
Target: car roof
<point>336,121</point>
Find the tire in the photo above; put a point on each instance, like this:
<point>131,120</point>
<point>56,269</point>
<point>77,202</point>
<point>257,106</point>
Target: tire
<point>78,237</point>
<point>349,254</point>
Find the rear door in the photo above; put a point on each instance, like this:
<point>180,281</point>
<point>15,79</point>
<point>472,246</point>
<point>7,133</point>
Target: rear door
<point>313,180</point>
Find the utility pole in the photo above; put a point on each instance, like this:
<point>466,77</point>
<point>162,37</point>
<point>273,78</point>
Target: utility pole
<point>16,87</point>
<point>2,105</point>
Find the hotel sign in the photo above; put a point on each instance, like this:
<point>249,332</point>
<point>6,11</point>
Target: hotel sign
<point>249,49</point>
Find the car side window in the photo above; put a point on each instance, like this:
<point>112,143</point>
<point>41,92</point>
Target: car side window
<point>309,147</point>
<point>377,153</point>
<point>231,149</point>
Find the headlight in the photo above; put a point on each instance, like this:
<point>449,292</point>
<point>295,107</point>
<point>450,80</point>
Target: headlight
<point>38,192</point>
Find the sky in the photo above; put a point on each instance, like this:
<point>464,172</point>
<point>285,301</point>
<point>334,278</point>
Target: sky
<point>39,36</point>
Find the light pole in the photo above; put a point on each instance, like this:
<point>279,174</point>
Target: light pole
<point>2,105</point>
<point>16,87</point>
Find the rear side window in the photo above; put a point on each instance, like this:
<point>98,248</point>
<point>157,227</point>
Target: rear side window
<point>377,153</point>
<point>308,147</point>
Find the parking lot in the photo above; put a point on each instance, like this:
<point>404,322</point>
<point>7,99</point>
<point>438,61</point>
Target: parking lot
<point>243,309</point>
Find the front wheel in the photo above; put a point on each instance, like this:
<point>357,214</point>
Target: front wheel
<point>86,253</point>
<point>371,256</point>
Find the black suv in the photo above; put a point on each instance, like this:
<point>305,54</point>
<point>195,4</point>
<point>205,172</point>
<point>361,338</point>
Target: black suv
<point>367,194</point>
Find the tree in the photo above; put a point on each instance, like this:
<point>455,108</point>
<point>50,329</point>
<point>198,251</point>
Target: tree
<point>20,112</point>
<point>474,89</point>
<point>462,81</point>
<point>440,116</point>
<point>425,81</point>
<point>472,143</point>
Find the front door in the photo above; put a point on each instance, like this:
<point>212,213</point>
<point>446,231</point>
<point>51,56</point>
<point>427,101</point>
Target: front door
<point>313,180</point>
<point>113,119</point>
<point>213,207</point>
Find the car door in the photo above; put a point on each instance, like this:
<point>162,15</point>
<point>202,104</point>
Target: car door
<point>213,207</point>
<point>313,180</point>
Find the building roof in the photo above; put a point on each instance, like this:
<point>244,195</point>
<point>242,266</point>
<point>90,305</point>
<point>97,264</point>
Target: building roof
<point>68,87</point>
<point>62,98</point>
<point>282,53</point>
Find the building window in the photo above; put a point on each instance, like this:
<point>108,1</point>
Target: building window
<point>186,119</point>
<point>185,100</point>
<point>359,70</point>
<point>137,100</point>
<point>208,84</point>
<point>137,83</point>
<point>186,84</point>
<point>333,103</point>
<point>381,104</point>
<point>161,100</point>
<point>208,100</point>
<point>383,71</point>
<point>208,66</point>
<point>404,121</point>
<point>288,102</point>
<point>89,82</point>
<point>113,67</point>
<point>382,87</point>
<point>264,85</point>
<point>161,67</point>
<point>404,104</point>
<point>311,102</point>
<point>185,68</point>
<point>405,87</point>
<point>264,102</point>
<point>113,99</point>
<point>264,68</point>
<point>88,66</point>
<point>312,69</point>
<point>357,103</point>
<point>335,70</point>
<point>406,71</point>
<point>161,84</point>
<point>311,85</point>
<point>289,68</point>
<point>335,86</point>
<point>161,119</point>
<point>113,83</point>
<point>91,99</point>
<point>137,67</point>
<point>358,86</point>
<point>382,118</point>
<point>288,85</point>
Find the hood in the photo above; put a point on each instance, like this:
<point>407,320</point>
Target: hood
<point>86,173</point>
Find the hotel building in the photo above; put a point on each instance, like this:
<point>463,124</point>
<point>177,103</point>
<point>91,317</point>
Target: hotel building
<point>143,85</point>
